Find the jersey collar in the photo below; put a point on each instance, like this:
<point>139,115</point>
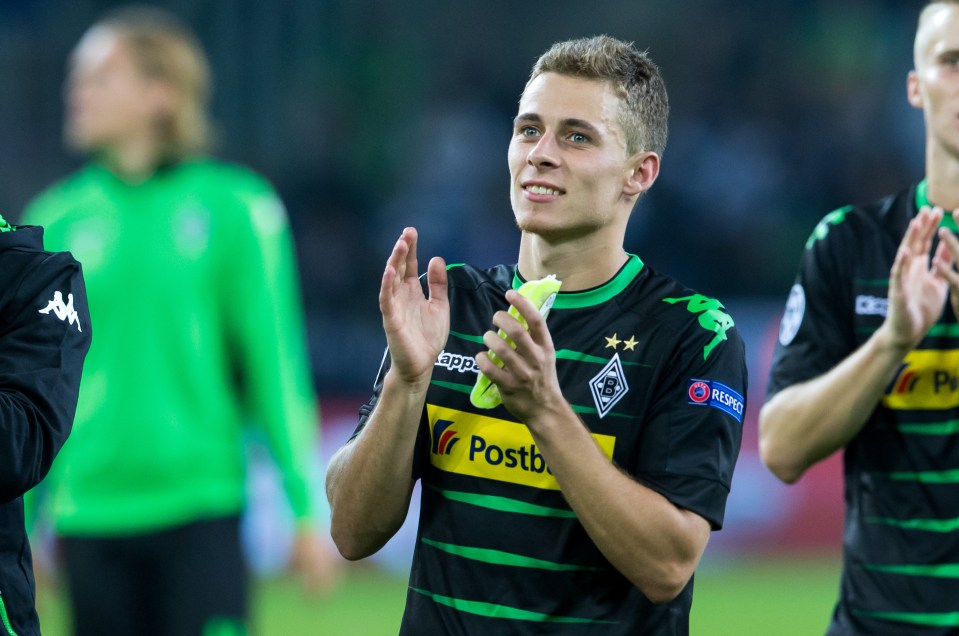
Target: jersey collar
<point>597,295</point>
<point>922,199</point>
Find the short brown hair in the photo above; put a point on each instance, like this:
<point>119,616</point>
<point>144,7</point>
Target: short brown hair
<point>164,48</point>
<point>637,80</point>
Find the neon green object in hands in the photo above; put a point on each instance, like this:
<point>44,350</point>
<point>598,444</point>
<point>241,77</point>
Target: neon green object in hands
<point>542,293</point>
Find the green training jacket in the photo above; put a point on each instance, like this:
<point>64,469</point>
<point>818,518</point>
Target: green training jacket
<point>193,290</point>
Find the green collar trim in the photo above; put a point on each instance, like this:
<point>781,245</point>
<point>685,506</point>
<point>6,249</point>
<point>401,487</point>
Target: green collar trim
<point>4,226</point>
<point>922,199</point>
<point>597,295</point>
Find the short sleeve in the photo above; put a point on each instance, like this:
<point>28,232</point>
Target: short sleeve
<point>816,331</point>
<point>690,444</point>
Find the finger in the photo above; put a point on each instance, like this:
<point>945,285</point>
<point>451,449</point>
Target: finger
<point>925,228</point>
<point>412,267</point>
<point>903,258</point>
<point>943,266</point>
<point>523,305</point>
<point>386,290</point>
<point>950,275</point>
<point>951,242</point>
<point>436,278</point>
<point>538,330</point>
<point>498,348</point>
<point>510,325</point>
<point>398,257</point>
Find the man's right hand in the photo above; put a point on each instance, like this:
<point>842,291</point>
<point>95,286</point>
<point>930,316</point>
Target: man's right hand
<point>416,327</point>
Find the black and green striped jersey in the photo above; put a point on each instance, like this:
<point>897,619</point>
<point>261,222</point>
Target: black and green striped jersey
<point>901,540</point>
<point>656,372</point>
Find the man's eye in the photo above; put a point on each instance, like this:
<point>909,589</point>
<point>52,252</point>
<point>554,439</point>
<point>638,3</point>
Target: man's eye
<point>528,131</point>
<point>578,138</point>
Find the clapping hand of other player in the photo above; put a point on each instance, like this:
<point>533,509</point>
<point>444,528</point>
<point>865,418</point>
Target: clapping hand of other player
<point>416,326</point>
<point>946,266</point>
<point>918,289</point>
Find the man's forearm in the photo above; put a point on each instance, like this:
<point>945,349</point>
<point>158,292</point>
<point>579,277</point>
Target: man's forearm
<point>369,481</point>
<point>655,544</point>
<point>809,421</point>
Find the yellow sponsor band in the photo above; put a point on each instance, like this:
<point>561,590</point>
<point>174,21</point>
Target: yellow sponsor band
<point>497,449</point>
<point>928,380</point>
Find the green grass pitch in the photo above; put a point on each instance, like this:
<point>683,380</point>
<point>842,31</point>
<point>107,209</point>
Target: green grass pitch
<point>754,597</point>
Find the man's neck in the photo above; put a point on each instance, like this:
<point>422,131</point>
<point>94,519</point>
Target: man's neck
<point>580,264</point>
<point>133,161</point>
<point>942,177</point>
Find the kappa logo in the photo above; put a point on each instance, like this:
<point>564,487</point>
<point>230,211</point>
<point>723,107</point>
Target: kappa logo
<point>711,316</point>
<point>443,437</point>
<point>456,362</point>
<point>609,386</point>
<point>63,311</point>
<point>871,305</point>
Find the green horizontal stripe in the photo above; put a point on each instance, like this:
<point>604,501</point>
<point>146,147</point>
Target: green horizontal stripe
<point>466,336</point>
<point>493,610</point>
<point>950,427</point>
<point>567,354</point>
<point>926,477</point>
<point>468,388</point>
<point>944,330</point>
<point>498,557</point>
<point>874,282</point>
<point>453,386</point>
<point>589,410</point>
<point>928,525</point>
<point>942,570</point>
<point>504,504</point>
<point>950,619</point>
<point>562,354</point>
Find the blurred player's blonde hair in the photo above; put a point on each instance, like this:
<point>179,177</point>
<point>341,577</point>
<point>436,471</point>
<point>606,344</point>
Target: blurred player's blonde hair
<point>163,48</point>
<point>645,107</point>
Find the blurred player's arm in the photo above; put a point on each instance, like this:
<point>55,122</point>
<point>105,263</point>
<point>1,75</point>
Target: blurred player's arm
<point>809,421</point>
<point>369,481</point>
<point>269,337</point>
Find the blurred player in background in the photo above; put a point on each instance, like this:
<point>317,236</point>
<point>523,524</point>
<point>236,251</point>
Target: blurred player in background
<point>584,502</point>
<point>868,362</point>
<point>44,337</point>
<point>191,275</point>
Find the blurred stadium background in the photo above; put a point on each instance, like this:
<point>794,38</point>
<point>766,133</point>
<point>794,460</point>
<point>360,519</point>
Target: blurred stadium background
<point>370,116</point>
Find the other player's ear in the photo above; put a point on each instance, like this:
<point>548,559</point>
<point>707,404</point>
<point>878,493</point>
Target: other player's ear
<point>643,168</point>
<point>914,90</point>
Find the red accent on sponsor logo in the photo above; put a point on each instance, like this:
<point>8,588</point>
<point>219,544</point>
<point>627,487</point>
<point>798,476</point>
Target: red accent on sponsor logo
<point>904,381</point>
<point>444,440</point>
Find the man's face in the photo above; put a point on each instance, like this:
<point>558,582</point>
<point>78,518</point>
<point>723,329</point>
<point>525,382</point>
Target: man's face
<point>934,84</point>
<point>567,158</point>
<point>109,101</point>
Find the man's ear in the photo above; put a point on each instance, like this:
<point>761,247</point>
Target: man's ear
<point>913,90</point>
<point>644,168</point>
